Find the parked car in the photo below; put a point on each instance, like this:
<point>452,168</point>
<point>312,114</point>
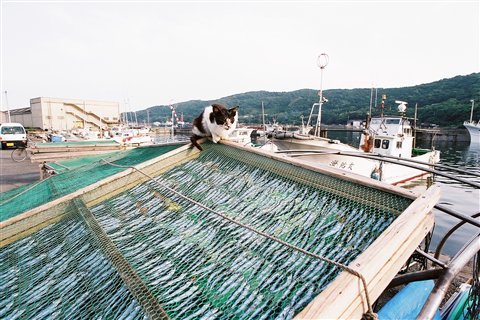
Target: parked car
<point>12,135</point>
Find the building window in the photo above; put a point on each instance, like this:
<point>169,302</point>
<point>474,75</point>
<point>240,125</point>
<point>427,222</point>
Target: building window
<point>385,144</point>
<point>106,118</point>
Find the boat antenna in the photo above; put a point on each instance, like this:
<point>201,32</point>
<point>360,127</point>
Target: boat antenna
<point>322,62</point>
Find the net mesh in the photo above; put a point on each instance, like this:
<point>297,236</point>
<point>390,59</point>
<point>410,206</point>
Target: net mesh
<point>148,252</point>
<point>82,172</point>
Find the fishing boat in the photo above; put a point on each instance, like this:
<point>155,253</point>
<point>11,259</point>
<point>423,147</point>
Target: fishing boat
<point>385,152</point>
<point>473,127</point>
<point>132,135</point>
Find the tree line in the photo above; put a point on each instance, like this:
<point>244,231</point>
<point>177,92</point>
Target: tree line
<point>445,103</point>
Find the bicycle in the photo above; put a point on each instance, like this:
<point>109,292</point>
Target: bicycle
<point>21,153</point>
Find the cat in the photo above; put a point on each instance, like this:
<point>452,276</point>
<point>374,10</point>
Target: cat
<point>215,121</point>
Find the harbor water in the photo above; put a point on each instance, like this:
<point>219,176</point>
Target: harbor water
<point>454,195</point>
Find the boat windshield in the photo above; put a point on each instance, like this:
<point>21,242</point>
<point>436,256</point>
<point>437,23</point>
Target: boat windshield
<point>392,121</point>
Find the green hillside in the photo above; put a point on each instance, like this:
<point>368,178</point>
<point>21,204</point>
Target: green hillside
<point>445,102</point>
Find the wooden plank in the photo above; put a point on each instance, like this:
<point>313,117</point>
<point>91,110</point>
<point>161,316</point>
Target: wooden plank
<point>344,297</point>
<point>75,148</point>
<point>25,231</point>
<point>47,157</point>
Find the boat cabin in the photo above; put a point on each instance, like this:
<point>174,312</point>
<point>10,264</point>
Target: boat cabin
<point>390,136</point>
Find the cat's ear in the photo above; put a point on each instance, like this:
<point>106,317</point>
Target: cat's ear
<point>215,108</point>
<point>233,110</point>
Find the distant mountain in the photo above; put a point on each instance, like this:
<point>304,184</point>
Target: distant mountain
<point>445,102</point>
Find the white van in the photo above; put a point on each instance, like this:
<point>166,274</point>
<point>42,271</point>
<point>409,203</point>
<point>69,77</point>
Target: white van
<point>12,135</point>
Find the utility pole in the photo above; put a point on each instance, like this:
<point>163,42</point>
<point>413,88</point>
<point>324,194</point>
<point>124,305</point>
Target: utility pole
<point>8,109</point>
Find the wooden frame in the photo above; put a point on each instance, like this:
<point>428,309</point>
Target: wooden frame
<point>344,298</point>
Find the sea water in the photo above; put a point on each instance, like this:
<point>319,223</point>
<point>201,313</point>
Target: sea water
<point>454,195</point>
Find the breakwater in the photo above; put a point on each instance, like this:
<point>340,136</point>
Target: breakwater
<point>442,134</point>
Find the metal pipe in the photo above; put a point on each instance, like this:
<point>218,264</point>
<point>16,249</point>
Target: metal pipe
<point>433,259</point>
<point>440,289</point>
<point>458,215</point>
<point>311,113</point>
<point>449,233</point>
<point>354,154</point>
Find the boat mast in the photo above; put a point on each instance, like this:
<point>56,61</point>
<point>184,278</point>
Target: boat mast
<point>263,123</point>
<point>471,112</point>
<point>322,62</point>
<point>371,100</point>
<point>172,107</point>
<point>415,126</point>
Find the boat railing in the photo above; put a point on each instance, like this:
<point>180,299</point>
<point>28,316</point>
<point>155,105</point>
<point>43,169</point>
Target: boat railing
<point>472,123</point>
<point>391,159</point>
<point>407,162</point>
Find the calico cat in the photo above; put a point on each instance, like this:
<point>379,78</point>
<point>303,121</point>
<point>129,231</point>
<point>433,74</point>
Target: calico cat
<point>215,121</point>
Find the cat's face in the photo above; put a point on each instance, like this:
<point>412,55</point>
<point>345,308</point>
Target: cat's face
<point>224,117</point>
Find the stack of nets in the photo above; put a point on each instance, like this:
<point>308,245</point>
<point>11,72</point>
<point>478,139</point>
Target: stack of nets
<point>74,175</point>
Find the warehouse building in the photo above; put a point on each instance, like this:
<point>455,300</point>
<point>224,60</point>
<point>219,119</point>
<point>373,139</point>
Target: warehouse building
<point>57,114</point>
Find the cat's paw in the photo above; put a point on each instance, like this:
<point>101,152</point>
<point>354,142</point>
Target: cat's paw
<point>215,139</point>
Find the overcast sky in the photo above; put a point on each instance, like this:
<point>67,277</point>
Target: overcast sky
<point>161,52</point>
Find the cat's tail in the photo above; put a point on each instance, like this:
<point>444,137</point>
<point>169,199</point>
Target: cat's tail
<point>194,139</point>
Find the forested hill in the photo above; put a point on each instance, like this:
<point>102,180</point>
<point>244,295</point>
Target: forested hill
<point>445,103</point>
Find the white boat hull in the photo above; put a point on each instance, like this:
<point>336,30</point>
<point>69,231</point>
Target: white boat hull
<point>387,172</point>
<point>474,131</point>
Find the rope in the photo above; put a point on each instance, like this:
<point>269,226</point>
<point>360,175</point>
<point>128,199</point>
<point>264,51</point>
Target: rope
<point>367,316</point>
